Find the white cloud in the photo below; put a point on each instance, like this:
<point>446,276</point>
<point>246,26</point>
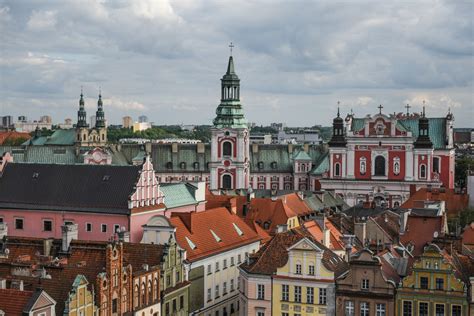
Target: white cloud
<point>42,20</point>
<point>120,104</point>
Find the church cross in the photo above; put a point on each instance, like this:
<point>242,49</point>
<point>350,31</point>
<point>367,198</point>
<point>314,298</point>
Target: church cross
<point>408,108</point>
<point>231,46</point>
<point>380,108</point>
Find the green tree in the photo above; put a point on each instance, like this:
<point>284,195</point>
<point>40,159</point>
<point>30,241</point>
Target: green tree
<point>462,166</point>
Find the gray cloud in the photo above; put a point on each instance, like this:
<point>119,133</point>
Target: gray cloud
<point>296,59</point>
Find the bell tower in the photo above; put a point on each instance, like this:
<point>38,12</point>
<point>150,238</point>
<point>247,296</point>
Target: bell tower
<point>230,137</point>
<point>82,128</point>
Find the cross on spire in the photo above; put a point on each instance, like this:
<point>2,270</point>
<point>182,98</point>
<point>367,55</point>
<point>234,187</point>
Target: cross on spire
<point>380,108</point>
<point>423,108</point>
<point>231,46</point>
<point>408,108</point>
<point>338,102</point>
<point>81,91</point>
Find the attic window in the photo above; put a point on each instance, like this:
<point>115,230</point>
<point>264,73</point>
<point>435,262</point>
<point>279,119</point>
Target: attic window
<point>169,165</point>
<point>182,165</point>
<point>190,243</point>
<point>217,238</point>
<point>59,151</point>
<point>106,177</point>
<point>260,165</point>
<point>196,165</point>
<point>274,165</point>
<point>237,229</point>
<point>35,175</point>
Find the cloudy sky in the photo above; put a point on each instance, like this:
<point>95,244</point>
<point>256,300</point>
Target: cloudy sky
<point>296,59</point>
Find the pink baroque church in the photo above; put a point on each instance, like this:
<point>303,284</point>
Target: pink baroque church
<point>386,158</point>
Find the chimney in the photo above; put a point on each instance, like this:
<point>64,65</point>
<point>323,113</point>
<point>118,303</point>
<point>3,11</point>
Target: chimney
<point>148,147</point>
<point>306,148</point>
<point>3,230</point>
<point>290,148</point>
<point>3,283</point>
<point>174,148</point>
<point>69,232</point>
<point>17,285</point>
<point>47,244</point>
<point>233,205</point>
<point>255,148</point>
<point>360,231</point>
<point>348,240</point>
<point>201,149</point>
<point>326,237</point>
<point>123,235</point>
<point>403,221</point>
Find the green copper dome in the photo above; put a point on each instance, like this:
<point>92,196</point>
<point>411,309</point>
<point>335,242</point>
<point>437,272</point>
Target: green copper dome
<point>230,113</point>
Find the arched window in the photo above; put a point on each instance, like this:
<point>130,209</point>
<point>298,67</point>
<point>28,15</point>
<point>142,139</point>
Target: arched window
<point>226,181</point>
<point>124,300</point>
<point>83,136</point>
<point>423,171</point>
<point>362,165</point>
<point>135,296</point>
<point>396,165</point>
<point>143,294</point>
<point>337,170</point>
<point>150,291</point>
<point>436,164</point>
<point>155,288</point>
<point>227,148</point>
<point>379,166</point>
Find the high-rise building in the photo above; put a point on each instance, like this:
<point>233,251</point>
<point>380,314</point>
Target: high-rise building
<point>143,119</point>
<point>127,122</point>
<point>6,121</point>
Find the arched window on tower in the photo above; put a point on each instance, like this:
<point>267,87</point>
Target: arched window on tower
<point>337,170</point>
<point>436,164</point>
<point>423,171</point>
<point>227,181</point>
<point>227,148</point>
<point>362,165</point>
<point>379,166</point>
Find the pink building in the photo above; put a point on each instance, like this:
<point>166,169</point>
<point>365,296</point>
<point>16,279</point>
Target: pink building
<point>37,199</point>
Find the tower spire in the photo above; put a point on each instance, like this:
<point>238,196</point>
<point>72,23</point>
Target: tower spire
<point>81,113</point>
<point>100,115</point>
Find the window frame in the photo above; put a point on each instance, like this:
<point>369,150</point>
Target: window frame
<point>50,221</point>
<point>22,219</point>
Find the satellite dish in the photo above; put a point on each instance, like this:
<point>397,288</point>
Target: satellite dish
<point>435,234</point>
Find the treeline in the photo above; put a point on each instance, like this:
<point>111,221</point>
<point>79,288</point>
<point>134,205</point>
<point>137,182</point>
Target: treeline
<point>114,134</point>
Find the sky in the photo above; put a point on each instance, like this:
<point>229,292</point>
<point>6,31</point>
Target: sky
<point>295,59</point>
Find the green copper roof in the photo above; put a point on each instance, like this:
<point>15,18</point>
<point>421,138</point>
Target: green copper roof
<point>357,124</point>
<point>177,194</point>
<point>301,155</point>
<point>321,166</point>
<point>314,203</point>
<point>62,137</point>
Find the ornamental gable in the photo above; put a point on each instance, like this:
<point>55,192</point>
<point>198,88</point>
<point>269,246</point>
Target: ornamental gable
<point>147,189</point>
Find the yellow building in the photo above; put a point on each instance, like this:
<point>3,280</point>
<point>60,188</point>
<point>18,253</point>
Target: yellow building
<point>305,284</point>
<point>434,287</point>
<point>80,301</point>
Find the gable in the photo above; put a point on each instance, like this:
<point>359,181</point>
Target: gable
<point>42,300</point>
<point>306,245</point>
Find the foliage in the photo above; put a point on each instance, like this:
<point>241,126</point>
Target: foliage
<point>463,164</point>
<point>14,141</point>
<point>264,130</point>
<point>202,133</point>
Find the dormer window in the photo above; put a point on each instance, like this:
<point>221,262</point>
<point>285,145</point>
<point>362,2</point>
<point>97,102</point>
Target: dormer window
<point>182,165</point>
<point>274,165</point>
<point>169,165</point>
<point>260,165</point>
<point>196,165</point>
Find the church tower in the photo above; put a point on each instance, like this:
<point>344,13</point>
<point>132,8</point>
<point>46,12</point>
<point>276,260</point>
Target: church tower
<point>82,128</point>
<point>423,149</point>
<point>337,148</point>
<point>100,122</point>
<point>230,137</point>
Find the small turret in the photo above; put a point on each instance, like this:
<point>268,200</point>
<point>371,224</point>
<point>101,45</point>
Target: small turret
<point>81,114</point>
<point>338,138</point>
<point>423,140</point>
<point>100,115</point>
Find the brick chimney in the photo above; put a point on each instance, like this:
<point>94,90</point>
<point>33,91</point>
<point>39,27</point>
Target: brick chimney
<point>69,232</point>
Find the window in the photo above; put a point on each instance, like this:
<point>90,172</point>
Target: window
<point>217,291</point>
<point>337,169</point>
<point>174,305</point>
<point>362,165</point>
<point>167,309</point>
<point>456,310</point>
<point>68,223</point>
<point>424,282</point>
<point>380,309</point>
<point>217,266</point>
<point>225,264</point>
<point>231,285</point>
<point>209,294</point>
<point>285,292</point>
<point>298,268</point>
<point>322,296</point>
<point>311,270</point>
<point>47,225</point>
<point>365,284</point>
<point>407,308</point>
<point>364,309</point>
<point>1,221</point>
<point>116,228</point>
<point>310,295</point>
<point>379,166</point>
<point>114,305</point>
<point>436,164</point>
<point>88,227</point>
<point>284,314</point>
<point>423,171</point>
<point>232,261</point>
<point>260,292</point>
<point>227,148</point>
<point>298,294</point>
<point>209,269</point>
<point>103,228</point>
<point>19,223</point>
<point>422,309</point>
<point>349,308</point>
<point>226,181</point>
<point>239,258</point>
<point>439,283</point>
<point>439,309</point>
<point>224,288</point>
<point>178,276</point>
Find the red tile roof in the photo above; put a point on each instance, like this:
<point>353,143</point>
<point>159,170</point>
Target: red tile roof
<point>421,230</point>
<point>198,227</point>
<point>13,135</point>
<point>12,302</point>
<point>317,232</point>
<point>455,203</point>
<point>296,204</point>
<point>272,211</point>
<point>468,235</point>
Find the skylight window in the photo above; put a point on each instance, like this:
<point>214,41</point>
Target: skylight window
<point>217,238</point>
<point>190,243</point>
<point>239,231</point>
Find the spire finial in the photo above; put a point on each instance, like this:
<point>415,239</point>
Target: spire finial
<point>81,91</point>
<point>380,108</point>
<point>231,45</point>
<point>423,108</point>
<point>338,103</point>
<point>100,92</point>
<point>408,109</point>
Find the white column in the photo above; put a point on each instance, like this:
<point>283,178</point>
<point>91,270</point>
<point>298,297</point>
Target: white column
<point>350,162</point>
<point>408,163</point>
